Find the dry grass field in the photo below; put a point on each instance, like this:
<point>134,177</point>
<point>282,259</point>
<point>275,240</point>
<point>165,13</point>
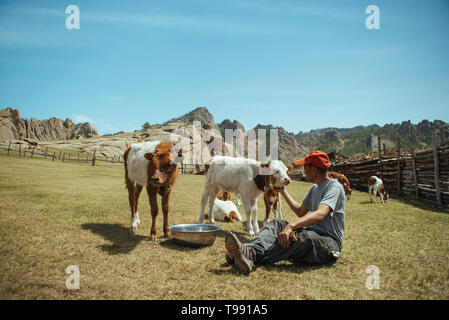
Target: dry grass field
<point>55,214</point>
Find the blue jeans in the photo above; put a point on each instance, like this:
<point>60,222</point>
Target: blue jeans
<point>310,247</point>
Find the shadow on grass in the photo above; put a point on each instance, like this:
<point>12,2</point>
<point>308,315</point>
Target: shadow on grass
<point>279,267</point>
<point>422,205</point>
<point>172,244</point>
<point>122,238</point>
<point>368,202</point>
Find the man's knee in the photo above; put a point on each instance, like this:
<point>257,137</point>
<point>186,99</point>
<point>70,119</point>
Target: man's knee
<point>307,236</point>
<point>314,248</point>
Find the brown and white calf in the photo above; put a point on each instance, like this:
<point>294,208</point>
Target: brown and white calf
<point>343,181</point>
<point>376,185</point>
<point>249,178</point>
<point>272,201</point>
<point>153,165</point>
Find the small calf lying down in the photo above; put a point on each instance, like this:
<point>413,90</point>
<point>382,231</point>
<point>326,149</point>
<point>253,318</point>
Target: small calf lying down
<point>224,209</point>
<point>377,186</point>
<point>343,181</point>
<point>272,200</point>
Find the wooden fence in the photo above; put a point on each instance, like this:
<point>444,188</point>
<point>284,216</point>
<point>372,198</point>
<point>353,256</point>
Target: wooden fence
<point>61,155</point>
<point>423,175</point>
<point>24,150</point>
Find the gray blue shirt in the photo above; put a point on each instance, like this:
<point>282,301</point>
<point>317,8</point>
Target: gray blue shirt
<point>332,194</point>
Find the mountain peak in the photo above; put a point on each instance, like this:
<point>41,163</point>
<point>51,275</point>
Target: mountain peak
<point>199,114</point>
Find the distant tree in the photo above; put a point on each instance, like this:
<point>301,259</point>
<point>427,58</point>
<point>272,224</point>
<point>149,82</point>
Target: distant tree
<point>146,125</point>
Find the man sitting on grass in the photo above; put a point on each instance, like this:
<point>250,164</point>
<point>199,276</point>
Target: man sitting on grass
<point>314,237</point>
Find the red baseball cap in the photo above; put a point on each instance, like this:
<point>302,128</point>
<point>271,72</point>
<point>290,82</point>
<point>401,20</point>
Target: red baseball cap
<point>317,158</point>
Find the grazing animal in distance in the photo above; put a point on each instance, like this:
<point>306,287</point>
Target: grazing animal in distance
<point>343,181</point>
<point>153,165</point>
<point>247,177</point>
<point>376,185</point>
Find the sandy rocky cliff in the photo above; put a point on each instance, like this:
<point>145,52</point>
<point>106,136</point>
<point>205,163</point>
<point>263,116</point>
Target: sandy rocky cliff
<point>14,127</point>
<point>65,135</point>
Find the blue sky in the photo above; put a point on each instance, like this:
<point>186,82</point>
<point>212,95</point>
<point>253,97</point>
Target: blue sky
<point>298,64</point>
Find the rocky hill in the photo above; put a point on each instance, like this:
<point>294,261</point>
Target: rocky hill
<point>14,127</point>
<point>289,149</point>
<point>362,139</point>
<point>349,141</point>
<point>198,114</point>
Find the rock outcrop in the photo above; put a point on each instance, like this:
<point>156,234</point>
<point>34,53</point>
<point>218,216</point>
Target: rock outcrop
<point>14,127</point>
<point>198,114</point>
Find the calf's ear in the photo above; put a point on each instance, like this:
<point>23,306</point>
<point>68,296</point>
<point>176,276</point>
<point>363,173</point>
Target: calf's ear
<point>148,156</point>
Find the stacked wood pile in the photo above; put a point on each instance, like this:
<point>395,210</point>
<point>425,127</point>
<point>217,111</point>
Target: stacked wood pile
<point>423,175</point>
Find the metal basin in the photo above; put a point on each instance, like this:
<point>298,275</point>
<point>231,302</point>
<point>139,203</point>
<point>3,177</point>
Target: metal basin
<point>194,235</point>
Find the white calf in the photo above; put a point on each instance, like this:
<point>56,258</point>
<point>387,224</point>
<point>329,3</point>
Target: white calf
<point>249,178</point>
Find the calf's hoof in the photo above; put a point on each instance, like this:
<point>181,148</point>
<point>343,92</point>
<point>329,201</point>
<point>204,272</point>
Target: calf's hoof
<point>135,223</point>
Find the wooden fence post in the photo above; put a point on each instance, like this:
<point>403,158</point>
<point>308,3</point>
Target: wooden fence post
<point>436,164</point>
<point>32,152</point>
<point>399,166</point>
<point>78,157</point>
<point>379,145</point>
<point>93,158</point>
<point>20,149</point>
<point>412,151</point>
<point>9,147</point>
<point>60,151</point>
<point>46,150</point>
<point>54,156</point>
<point>63,157</point>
